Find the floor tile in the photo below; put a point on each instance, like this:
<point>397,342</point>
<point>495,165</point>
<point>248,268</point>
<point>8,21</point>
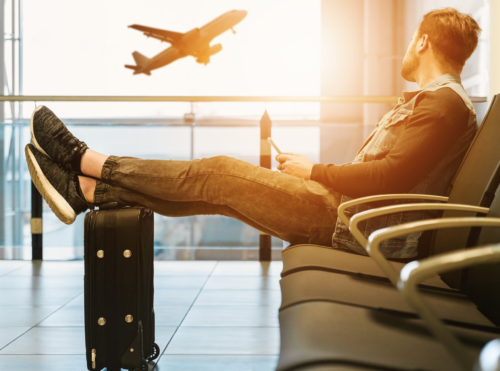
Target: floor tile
<point>49,340</point>
<point>252,268</point>
<point>8,334</point>
<point>41,282</point>
<point>217,363</point>
<point>232,315</point>
<point>162,297</point>
<point>50,268</point>
<point>9,266</point>
<point>170,315</point>
<point>37,297</point>
<point>25,315</point>
<point>242,283</point>
<point>43,362</point>
<point>239,301</point>
<point>65,340</point>
<point>79,300</point>
<point>67,316</point>
<point>175,297</point>
<point>184,268</point>
<point>175,282</point>
<point>225,340</point>
<point>163,335</point>
<point>239,297</point>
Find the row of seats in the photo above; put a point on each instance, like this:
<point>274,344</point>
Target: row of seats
<point>343,311</point>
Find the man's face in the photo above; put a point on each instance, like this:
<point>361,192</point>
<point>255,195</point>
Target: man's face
<point>410,61</point>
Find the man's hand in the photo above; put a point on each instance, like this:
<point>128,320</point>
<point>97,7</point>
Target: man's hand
<point>296,165</point>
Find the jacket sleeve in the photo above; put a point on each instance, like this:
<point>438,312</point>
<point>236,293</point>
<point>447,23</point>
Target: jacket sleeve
<point>438,119</point>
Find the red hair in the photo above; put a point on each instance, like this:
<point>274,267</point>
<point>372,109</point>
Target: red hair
<point>453,35</point>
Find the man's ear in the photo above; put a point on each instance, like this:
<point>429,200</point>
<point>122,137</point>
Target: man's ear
<point>422,44</point>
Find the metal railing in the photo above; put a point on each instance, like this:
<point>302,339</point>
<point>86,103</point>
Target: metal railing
<point>205,98</point>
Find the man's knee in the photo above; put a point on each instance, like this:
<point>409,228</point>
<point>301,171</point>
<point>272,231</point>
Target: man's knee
<point>224,163</point>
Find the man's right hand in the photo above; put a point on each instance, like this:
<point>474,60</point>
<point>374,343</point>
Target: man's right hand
<point>296,165</point>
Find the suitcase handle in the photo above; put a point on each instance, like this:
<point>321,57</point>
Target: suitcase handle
<point>110,206</point>
<point>116,205</point>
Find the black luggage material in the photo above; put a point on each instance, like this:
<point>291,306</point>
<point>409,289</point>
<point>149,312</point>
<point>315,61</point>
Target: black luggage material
<point>119,314</point>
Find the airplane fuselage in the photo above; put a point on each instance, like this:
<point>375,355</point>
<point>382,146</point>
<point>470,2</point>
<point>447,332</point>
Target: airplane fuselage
<point>196,42</point>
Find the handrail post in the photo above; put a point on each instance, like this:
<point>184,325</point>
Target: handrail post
<point>36,224</point>
<point>265,161</point>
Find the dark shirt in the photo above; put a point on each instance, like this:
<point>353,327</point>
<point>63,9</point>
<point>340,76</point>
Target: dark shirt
<point>438,119</point>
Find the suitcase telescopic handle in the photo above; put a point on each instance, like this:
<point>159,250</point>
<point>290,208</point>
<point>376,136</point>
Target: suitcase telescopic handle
<point>110,206</point>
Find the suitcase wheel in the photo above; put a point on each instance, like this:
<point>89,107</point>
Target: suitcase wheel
<point>156,352</point>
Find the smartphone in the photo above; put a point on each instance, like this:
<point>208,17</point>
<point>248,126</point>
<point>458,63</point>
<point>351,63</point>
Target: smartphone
<point>274,145</point>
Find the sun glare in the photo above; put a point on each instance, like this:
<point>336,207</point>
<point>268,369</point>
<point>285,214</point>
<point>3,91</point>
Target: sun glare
<point>81,48</point>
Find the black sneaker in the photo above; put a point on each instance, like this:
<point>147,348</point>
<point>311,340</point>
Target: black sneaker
<point>57,185</point>
<point>51,137</point>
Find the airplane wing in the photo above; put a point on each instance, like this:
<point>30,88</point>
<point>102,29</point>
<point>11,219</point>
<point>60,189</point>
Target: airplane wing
<point>163,35</point>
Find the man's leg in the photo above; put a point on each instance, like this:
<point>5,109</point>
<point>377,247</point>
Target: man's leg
<point>290,208</point>
<point>109,193</point>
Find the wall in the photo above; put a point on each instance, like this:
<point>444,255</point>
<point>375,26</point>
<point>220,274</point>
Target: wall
<point>360,56</point>
<point>494,57</point>
<point>2,129</point>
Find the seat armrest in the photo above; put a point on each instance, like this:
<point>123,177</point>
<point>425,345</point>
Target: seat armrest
<point>364,215</point>
<point>377,237</point>
<point>417,271</point>
<point>363,200</point>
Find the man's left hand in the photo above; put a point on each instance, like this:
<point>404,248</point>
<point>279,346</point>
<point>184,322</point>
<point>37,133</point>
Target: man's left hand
<point>296,165</point>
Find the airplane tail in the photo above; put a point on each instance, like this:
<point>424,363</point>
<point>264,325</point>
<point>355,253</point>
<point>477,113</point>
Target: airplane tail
<point>141,61</point>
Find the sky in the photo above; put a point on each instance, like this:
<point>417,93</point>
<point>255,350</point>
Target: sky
<point>80,48</point>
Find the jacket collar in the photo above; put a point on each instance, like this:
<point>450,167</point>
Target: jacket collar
<point>441,80</point>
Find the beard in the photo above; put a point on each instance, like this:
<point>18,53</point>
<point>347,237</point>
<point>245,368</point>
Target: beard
<point>410,65</point>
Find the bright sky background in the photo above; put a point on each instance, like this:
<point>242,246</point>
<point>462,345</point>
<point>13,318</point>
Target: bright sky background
<point>80,48</point>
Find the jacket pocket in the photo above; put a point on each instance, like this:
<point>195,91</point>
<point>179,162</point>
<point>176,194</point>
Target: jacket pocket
<point>390,133</point>
<point>398,118</point>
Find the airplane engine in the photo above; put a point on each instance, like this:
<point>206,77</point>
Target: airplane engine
<point>205,58</point>
<point>214,49</point>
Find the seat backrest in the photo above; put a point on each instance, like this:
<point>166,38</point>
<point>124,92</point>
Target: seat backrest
<point>471,182</point>
<point>481,108</point>
<point>483,282</point>
<point>473,176</point>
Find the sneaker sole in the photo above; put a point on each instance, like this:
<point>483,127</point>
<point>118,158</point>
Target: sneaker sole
<point>33,139</point>
<point>57,203</point>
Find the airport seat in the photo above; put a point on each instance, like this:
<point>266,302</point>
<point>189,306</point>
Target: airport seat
<point>470,185</point>
<point>339,311</point>
<point>315,285</point>
<point>297,258</point>
<point>342,331</point>
<point>320,332</point>
<point>412,274</point>
<point>333,319</point>
<point>372,292</point>
<point>489,360</point>
<point>338,367</point>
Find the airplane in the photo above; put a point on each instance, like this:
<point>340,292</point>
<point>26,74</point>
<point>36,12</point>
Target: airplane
<point>195,42</point>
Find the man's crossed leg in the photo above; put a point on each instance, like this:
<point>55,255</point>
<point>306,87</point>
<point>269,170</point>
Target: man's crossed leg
<point>72,177</point>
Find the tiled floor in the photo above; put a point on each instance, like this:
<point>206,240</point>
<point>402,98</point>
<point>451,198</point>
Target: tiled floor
<point>219,316</point>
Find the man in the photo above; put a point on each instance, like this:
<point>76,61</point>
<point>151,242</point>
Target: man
<point>415,148</point>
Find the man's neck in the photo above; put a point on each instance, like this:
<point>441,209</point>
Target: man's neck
<point>424,76</point>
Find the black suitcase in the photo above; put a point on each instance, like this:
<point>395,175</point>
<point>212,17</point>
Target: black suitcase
<point>119,315</point>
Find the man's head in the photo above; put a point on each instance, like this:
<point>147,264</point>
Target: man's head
<point>446,38</point>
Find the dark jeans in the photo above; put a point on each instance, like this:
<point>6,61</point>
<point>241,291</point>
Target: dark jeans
<point>293,209</point>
